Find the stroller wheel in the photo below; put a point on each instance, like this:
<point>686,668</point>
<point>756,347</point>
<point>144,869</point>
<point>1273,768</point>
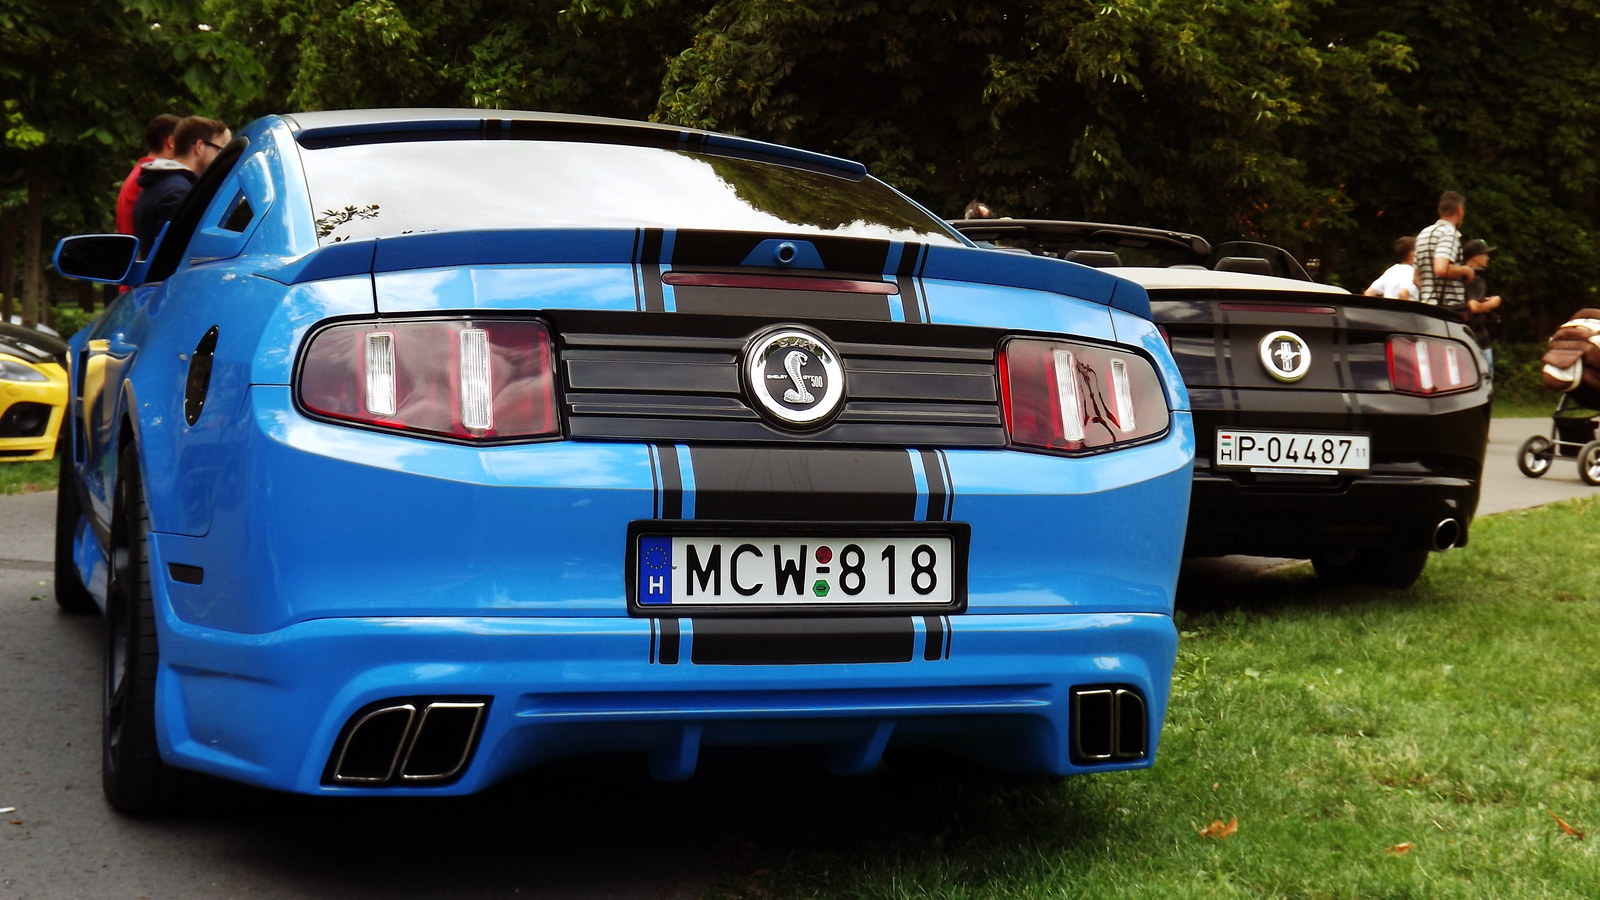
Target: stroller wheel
<point>1534,457</point>
<point>1589,463</point>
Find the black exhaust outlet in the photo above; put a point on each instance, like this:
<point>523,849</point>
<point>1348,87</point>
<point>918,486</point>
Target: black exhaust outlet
<point>407,741</point>
<point>1109,724</point>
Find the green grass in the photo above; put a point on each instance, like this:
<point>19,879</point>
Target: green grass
<point>27,477</point>
<point>1334,724</point>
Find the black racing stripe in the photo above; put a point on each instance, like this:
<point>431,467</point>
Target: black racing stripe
<point>922,295</point>
<point>905,276</point>
<point>692,248</point>
<point>491,129</point>
<point>949,635</point>
<point>949,486</point>
<point>934,625</point>
<point>638,270</point>
<point>669,642</point>
<point>910,302</point>
<point>671,482</point>
<point>652,642</point>
<point>754,642</point>
<point>938,487</point>
<point>655,482</point>
<point>650,249</point>
<point>764,483</point>
<point>712,248</point>
<point>650,270</point>
<point>781,304</point>
<point>909,254</point>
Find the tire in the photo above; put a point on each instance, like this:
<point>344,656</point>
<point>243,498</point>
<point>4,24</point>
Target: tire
<point>1589,463</point>
<point>71,595</point>
<point>133,776</point>
<point>1535,456</point>
<point>1398,569</point>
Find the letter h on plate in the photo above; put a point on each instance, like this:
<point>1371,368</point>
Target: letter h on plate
<point>655,570</point>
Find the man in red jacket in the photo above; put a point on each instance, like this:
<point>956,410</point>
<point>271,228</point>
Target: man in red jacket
<point>158,142</point>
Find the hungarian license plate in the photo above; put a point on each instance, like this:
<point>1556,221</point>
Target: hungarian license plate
<point>832,571</point>
<point>1293,452</point>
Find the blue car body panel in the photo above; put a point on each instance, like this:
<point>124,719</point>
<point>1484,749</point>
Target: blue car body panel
<point>345,566</point>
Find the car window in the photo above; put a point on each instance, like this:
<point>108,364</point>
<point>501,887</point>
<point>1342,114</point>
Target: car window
<point>367,190</point>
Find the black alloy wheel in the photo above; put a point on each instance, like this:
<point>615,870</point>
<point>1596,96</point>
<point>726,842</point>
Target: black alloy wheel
<point>1535,456</point>
<point>132,773</point>
<point>1397,569</point>
<point>1589,463</point>
<point>71,595</point>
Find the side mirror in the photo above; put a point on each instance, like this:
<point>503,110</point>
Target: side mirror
<point>97,257</point>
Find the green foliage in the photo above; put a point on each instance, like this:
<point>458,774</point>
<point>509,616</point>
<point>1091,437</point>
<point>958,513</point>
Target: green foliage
<point>594,57</point>
<point>1329,128</point>
<point>1133,111</point>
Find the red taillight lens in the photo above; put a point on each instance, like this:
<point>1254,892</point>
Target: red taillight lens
<point>1077,397</point>
<point>486,379</point>
<point>1431,365</point>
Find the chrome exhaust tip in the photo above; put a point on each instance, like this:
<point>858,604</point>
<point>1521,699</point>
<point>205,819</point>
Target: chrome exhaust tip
<point>1446,534</point>
<point>370,749</point>
<point>391,743</point>
<point>443,741</point>
<point>1108,725</point>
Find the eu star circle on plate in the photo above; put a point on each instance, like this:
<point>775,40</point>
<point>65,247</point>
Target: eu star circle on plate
<point>656,558</point>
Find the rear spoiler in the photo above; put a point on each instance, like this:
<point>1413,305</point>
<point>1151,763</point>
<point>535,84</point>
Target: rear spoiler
<point>690,249</point>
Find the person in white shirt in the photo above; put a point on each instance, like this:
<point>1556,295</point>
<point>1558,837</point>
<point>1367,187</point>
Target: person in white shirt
<point>1398,282</point>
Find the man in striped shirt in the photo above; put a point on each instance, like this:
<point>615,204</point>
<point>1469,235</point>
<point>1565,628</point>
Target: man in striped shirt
<point>1441,281</point>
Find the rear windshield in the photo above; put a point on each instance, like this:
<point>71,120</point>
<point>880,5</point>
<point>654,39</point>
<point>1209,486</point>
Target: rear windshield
<point>369,190</point>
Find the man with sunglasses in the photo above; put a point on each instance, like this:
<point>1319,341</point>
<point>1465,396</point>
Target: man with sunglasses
<point>164,183</point>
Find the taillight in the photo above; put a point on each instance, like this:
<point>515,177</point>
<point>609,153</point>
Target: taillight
<point>1430,365</point>
<point>471,379</point>
<point>1077,397</point>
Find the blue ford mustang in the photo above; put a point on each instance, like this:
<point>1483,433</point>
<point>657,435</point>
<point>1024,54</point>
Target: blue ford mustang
<point>428,447</point>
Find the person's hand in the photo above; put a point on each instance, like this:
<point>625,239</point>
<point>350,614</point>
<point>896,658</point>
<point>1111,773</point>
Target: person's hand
<point>1467,274</point>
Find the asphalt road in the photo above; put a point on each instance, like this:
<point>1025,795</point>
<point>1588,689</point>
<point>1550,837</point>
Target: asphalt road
<point>588,829</point>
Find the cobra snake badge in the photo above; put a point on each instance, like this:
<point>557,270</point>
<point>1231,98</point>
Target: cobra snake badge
<point>798,393</point>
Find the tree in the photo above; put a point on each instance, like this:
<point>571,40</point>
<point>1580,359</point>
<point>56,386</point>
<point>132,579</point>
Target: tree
<point>602,58</point>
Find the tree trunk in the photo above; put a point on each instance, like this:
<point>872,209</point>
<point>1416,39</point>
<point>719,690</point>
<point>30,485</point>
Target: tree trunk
<point>86,292</point>
<point>32,261</point>
<point>8,264</point>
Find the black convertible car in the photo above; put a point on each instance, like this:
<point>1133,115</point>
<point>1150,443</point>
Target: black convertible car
<point>1347,429</point>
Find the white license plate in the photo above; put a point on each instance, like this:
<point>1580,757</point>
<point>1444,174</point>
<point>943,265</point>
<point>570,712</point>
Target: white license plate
<point>723,571</point>
<point>1292,452</point>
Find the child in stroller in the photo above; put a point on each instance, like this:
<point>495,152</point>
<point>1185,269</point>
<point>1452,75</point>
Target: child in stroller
<point>1572,367</point>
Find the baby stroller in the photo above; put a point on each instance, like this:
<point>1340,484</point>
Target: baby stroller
<point>1572,367</point>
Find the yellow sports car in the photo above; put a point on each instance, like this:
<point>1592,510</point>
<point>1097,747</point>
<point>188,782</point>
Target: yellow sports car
<point>33,393</point>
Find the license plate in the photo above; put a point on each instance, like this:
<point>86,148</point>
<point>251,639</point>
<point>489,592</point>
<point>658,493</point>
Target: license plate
<point>776,572</point>
<point>1293,452</point>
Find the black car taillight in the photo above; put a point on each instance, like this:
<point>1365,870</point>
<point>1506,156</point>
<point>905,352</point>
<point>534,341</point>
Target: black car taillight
<point>1430,365</point>
<point>489,380</point>
<point>1079,397</point>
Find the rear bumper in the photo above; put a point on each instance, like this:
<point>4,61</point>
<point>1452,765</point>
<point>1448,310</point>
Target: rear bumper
<point>351,568</point>
<point>269,709</point>
<point>1396,512</point>
<point>1427,464</point>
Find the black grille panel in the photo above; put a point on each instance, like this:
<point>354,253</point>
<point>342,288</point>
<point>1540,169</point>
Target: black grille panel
<point>920,389</point>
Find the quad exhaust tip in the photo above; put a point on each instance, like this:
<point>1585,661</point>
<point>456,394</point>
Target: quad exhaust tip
<point>1109,725</point>
<point>412,741</point>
